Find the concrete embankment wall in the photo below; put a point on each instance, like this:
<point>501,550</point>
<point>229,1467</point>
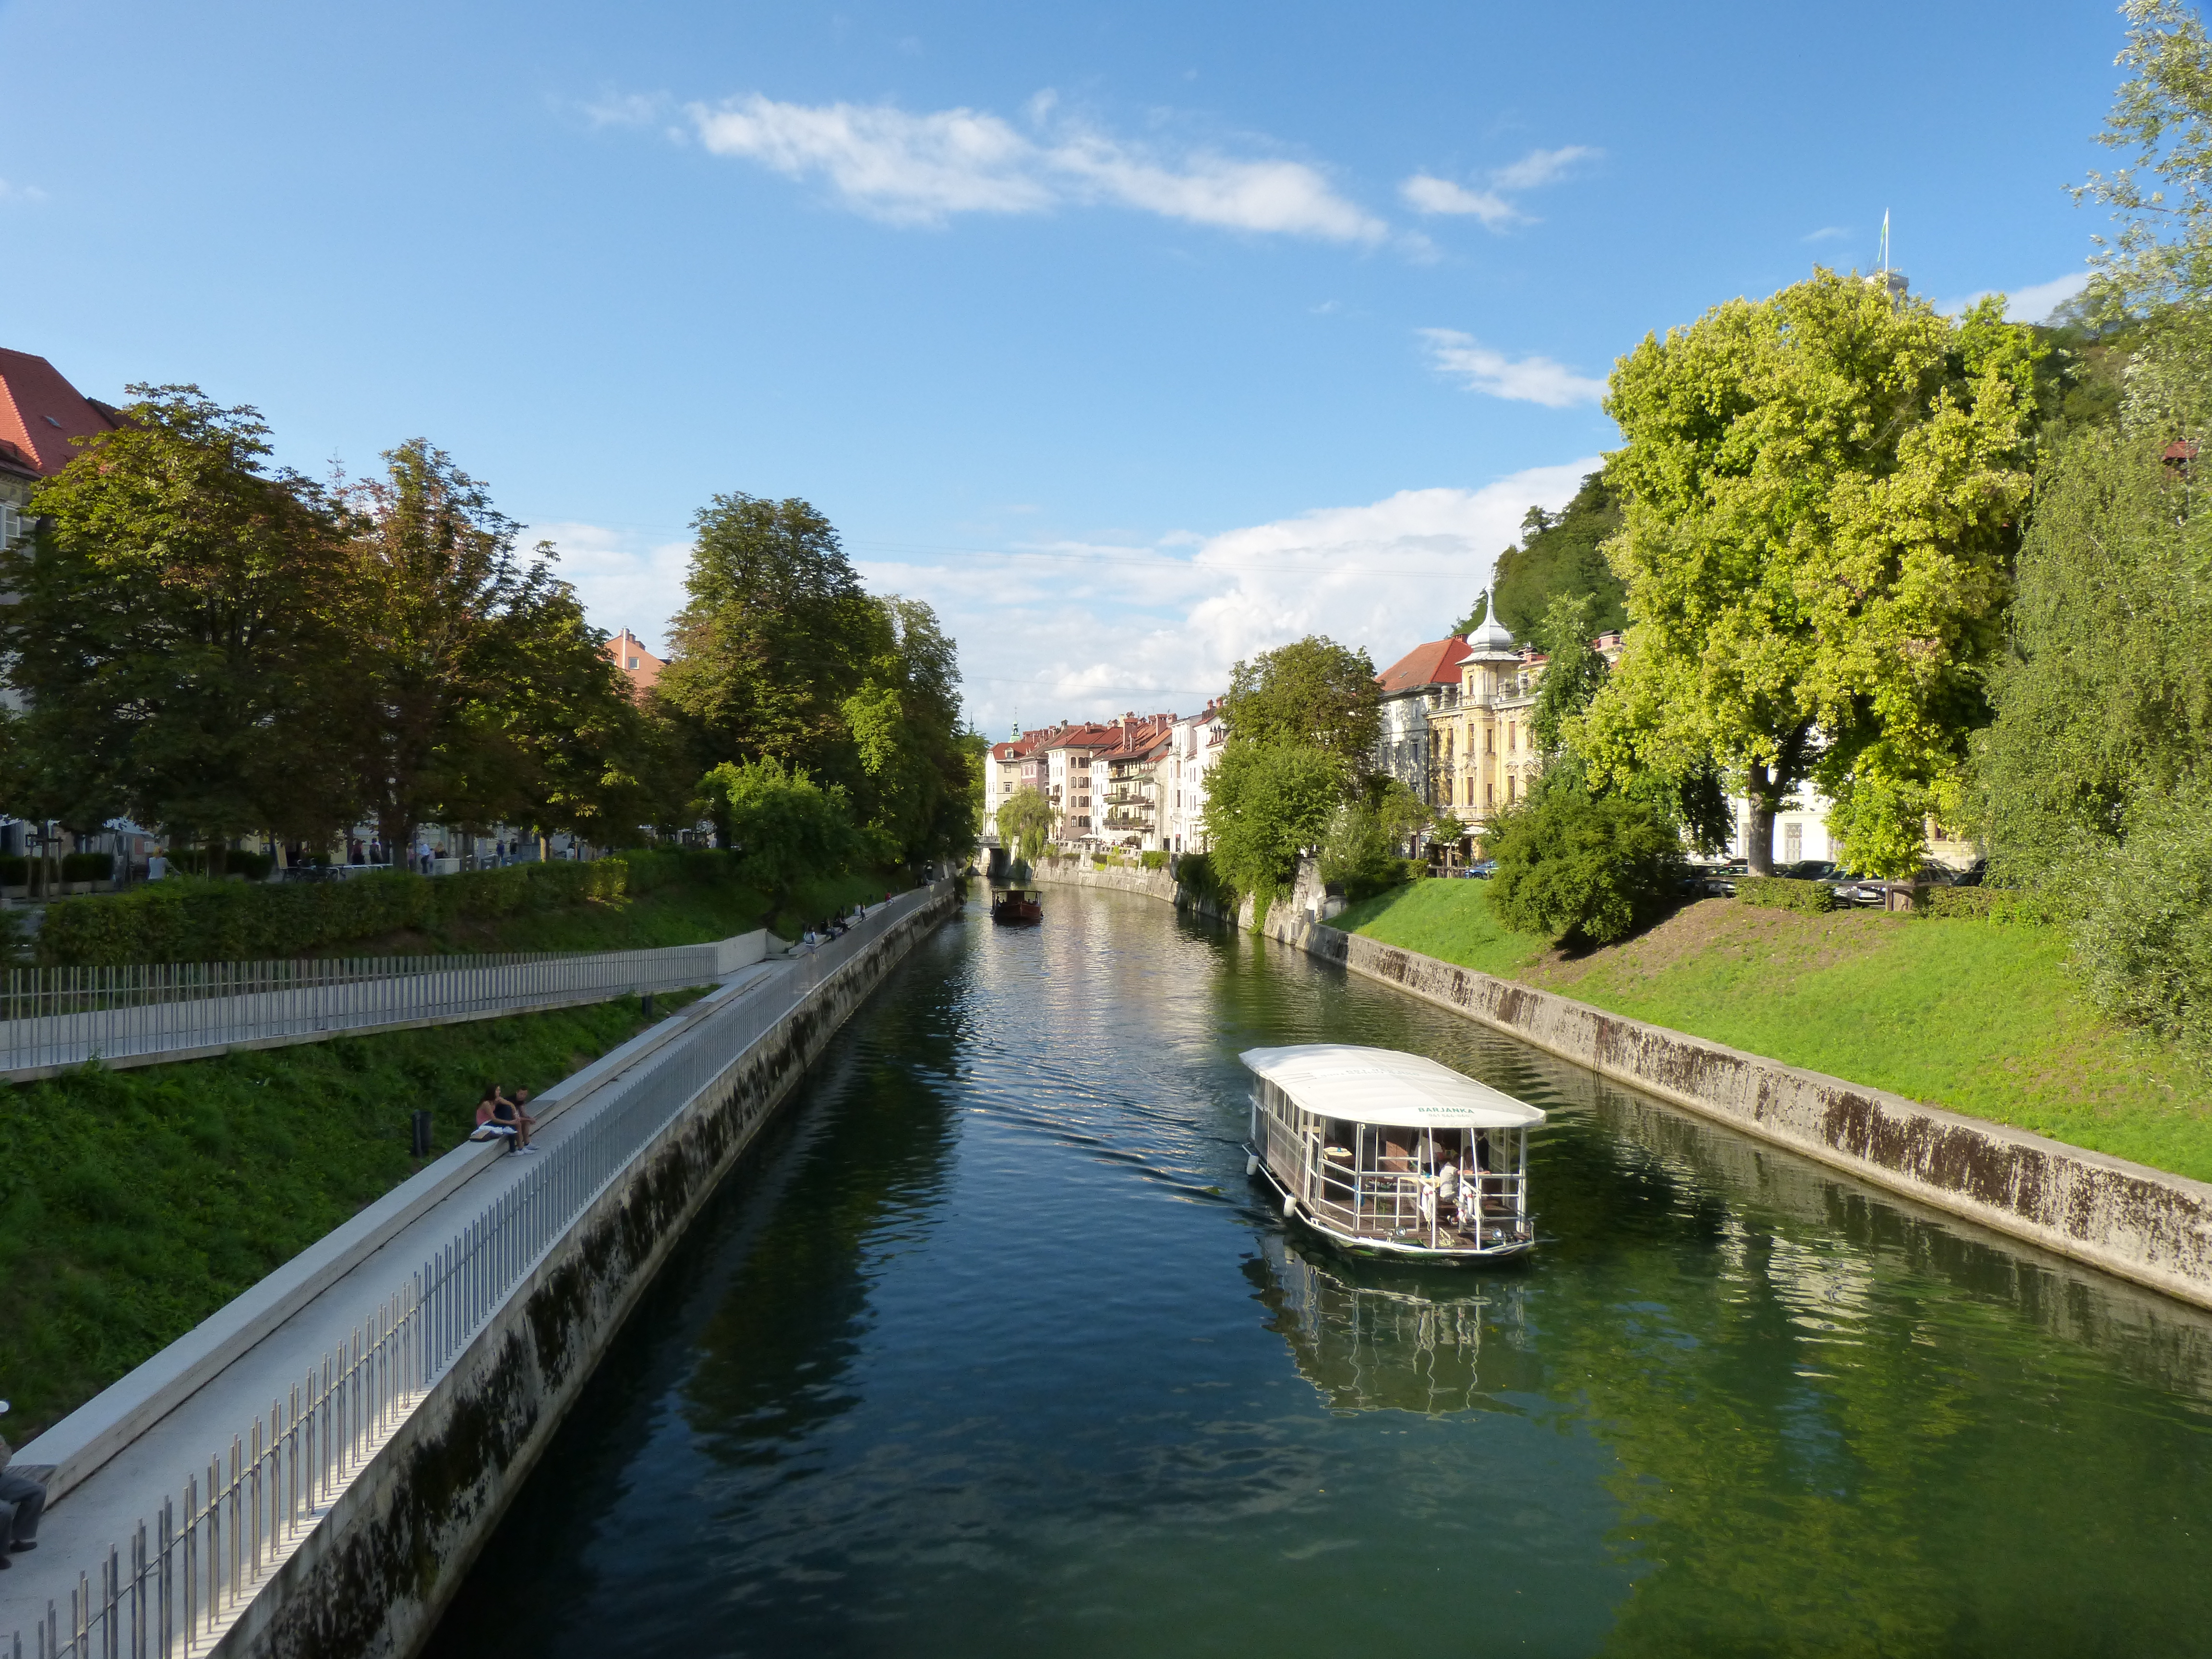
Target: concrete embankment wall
<point>1153,884</point>
<point>372,1578</point>
<point>2129,1220</point>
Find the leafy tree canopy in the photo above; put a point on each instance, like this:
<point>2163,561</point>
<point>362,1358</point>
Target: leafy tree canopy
<point>1025,822</point>
<point>1820,495</point>
<point>1266,804</point>
<point>2104,696</point>
<point>179,631</point>
<point>1562,554</point>
<point>776,635</point>
<point>785,826</point>
<point>1312,693</point>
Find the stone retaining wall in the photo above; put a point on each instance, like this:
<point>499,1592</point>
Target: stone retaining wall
<point>372,1578</point>
<point>1152,884</point>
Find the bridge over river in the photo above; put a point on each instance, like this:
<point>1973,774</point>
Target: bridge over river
<point>990,1348</point>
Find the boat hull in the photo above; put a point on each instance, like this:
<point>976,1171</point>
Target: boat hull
<point>1015,912</point>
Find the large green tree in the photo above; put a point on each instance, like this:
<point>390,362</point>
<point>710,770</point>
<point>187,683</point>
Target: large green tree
<point>1266,804</point>
<point>1822,493</point>
<point>776,635</point>
<point>179,631</point>
<point>1312,691</point>
<point>917,769</point>
<point>477,693</point>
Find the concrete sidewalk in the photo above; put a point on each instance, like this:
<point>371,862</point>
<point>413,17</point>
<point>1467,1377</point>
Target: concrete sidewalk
<point>104,1507</point>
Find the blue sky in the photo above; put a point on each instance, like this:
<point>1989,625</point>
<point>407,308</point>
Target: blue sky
<point>1136,338</point>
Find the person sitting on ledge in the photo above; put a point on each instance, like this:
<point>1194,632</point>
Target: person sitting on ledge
<point>523,1113</point>
<point>504,1110</point>
<point>490,1125</point>
<point>22,1501</point>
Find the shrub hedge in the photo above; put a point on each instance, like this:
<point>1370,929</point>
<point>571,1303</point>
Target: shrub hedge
<point>180,919</point>
<point>15,870</point>
<point>1155,860</point>
<point>87,866</point>
<point>2004,904</point>
<point>1780,893</point>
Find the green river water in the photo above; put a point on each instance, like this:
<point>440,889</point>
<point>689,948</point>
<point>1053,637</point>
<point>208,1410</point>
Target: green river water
<point>991,1347</point>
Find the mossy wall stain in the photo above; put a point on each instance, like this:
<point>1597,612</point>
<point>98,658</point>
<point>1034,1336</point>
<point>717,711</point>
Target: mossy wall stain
<point>372,1578</point>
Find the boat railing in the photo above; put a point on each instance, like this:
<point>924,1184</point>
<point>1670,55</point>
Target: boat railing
<point>1491,1204</point>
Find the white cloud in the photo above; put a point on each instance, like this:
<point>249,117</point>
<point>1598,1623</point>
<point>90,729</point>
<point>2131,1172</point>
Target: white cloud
<point>1542,167</point>
<point>1425,193</point>
<point>2035,302</point>
<point>1825,233</point>
<point>1083,631</point>
<point>21,192</point>
<point>906,169</point>
<point>624,581</point>
<point>1524,380</point>
<point>2031,304</point>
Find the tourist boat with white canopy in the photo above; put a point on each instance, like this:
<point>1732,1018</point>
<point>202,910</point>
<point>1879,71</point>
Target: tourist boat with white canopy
<point>1391,1153</point>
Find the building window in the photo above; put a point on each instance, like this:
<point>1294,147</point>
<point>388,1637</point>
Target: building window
<point>1793,842</point>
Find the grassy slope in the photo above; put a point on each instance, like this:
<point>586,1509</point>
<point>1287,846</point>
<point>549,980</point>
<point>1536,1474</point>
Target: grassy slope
<point>1979,1019</point>
<point>134,1203</point>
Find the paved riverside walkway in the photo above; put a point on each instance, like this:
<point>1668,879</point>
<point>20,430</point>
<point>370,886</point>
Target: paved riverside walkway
<point>135,1015</point>
<point>106,1507</point>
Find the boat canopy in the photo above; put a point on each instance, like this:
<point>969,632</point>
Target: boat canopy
<point>1384,1086</point>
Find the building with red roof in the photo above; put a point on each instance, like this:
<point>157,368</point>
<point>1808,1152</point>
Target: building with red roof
<point>1418,686</point>
<point>635,662</point>
<point>40,415</point>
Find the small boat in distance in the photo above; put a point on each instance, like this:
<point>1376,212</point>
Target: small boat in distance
<point>1014,899</point>
<point>1391,1154</point>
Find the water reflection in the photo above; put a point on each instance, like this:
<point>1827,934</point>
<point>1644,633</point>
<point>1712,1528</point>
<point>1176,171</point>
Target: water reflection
<point>1374,1336</point>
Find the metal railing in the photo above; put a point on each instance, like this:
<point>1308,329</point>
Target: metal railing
<point>209,1549</point>
<point>57,1017</point>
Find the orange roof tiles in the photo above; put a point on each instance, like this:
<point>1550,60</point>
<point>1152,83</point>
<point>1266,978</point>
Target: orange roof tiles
<point>1425,665</point>
<point>40,412</point>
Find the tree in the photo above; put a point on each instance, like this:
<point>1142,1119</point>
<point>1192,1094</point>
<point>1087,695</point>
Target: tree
<point>786,826</point>
<point>1266,804</point>
<point>472,667</point>
<point>177,633</point>
<point>916,771</point>
<point>1576,866</point>
<point>1821,491</point>
<point>1312,692</point>
<point>1574,672</point>
<point>1026,822</point>
<point>776,635</point>
<point>1562,556</point>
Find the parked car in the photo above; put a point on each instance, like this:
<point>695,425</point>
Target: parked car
<point>1721,879</point>
<point>1808,870</point>
<point>1483,868</point>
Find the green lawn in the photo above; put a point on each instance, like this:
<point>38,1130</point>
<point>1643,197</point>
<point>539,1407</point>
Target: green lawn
<point>1981,1018</point>
<point>133,1204</point>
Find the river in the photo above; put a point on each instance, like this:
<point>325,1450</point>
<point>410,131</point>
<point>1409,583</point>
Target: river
<point>990,1347</point>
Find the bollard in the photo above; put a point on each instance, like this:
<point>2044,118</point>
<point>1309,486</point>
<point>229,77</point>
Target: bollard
<point>647,1003</point>
<point>422,1135</point>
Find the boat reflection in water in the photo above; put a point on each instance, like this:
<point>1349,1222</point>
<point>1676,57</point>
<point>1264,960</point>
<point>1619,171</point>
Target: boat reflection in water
<point>1372,1337</point>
